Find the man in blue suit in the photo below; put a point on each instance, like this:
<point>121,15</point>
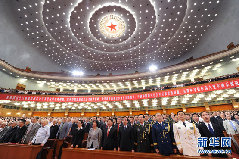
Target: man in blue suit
<point>163,137</point>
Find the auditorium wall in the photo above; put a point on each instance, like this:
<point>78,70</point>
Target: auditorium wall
<point>7,81</point>
<point>14,112</point>
<point>223,107</point>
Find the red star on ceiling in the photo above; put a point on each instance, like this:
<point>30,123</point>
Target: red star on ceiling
<point>112,27</point>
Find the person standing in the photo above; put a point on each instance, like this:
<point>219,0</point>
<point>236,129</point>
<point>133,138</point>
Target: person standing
<point>109,137</point>
<point>236,118</point>
<point>63,130</point>
<point>53,129</point>
<point>186,136</point>
<point>142,136</point>
<point>232,128</point>
<point>42,134</point>
<point>125,137</point>
<point>195,119</point>
<point>163,138</point>
<point>210,129</point>
<point>31,130</point>
<point>11,131</point>
<point>94,136</point>
<point>78,135</point>
<point>19,133</point>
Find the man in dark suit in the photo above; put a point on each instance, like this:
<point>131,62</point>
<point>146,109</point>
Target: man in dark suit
<point>125,137</point>
<point>53,129</point>
<point>209,129</point>
<point>74,126</point>
<point>131,121</point>
<point>214,118</point>
<point>109,137</point>
<point>118,124</point>
<point>195,119</point>
<point>217,120</point>
<point>6,138</point>
<point>78,135</point>
<point>87,125</point>
<point>103,124</point>
<point>20,132</point>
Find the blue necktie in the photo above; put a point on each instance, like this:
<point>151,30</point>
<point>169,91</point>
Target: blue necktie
<point>233,126</point>
<point>210,129</point>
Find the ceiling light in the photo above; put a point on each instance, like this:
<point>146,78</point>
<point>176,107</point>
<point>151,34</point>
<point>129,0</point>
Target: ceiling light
<point>77,73</point>
<point>153,68</point>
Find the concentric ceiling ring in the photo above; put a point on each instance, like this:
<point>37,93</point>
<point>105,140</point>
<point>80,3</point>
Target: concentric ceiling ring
<point>163,30</point>
<point>100,24</point>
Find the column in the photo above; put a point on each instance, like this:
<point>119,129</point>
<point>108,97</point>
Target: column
<point>206,105</point>
<point>235,104</point>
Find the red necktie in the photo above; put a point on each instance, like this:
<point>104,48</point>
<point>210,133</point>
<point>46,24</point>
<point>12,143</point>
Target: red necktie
<point>108,132</point>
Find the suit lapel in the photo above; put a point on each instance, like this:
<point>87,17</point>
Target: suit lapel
<point>206,128</point>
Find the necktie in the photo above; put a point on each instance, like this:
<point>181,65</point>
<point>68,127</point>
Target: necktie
<point>233,126</point>
<point>124,128</point>
<point>210,129</point>
<point>184,124</point>
<point>108,132</point>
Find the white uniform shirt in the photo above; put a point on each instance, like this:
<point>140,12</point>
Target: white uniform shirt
<point>42,135</point>
<point>186,138</point>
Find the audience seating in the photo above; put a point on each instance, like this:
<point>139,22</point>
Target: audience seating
<point>18,151</point>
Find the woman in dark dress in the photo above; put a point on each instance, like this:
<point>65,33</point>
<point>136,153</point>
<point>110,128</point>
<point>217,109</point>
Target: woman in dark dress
<point>78,135</point>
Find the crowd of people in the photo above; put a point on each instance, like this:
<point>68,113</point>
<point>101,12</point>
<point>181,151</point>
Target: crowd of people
<point>148,88</point>
<point>159,133</point>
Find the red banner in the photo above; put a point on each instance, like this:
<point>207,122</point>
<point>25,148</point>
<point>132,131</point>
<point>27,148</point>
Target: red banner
<point>157,94</point>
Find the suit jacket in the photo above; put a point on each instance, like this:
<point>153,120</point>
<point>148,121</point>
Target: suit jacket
<point>18,135</point>
<point>63,130</point>
<point>196,123</point>
<point>53,131</point>
<point>31,132</point>
<point>78,136</point>
<point>229,129</point>
<point>6,138</point>
<point>87,127</point>
<point>220,121</point>
<point>109,142</point>
<point>3,132</point>
<point>74,126</point>
<point>126,138</point>
<point>218,132</point>
<point>94,137</point>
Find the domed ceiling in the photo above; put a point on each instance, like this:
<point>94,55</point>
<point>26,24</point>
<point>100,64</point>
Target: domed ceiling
<point>114,35</point>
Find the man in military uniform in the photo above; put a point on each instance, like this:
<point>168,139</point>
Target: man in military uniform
<point>143,136</point>
<point>186,135</point>
<point>163,137</point>
<point>148,120</point>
